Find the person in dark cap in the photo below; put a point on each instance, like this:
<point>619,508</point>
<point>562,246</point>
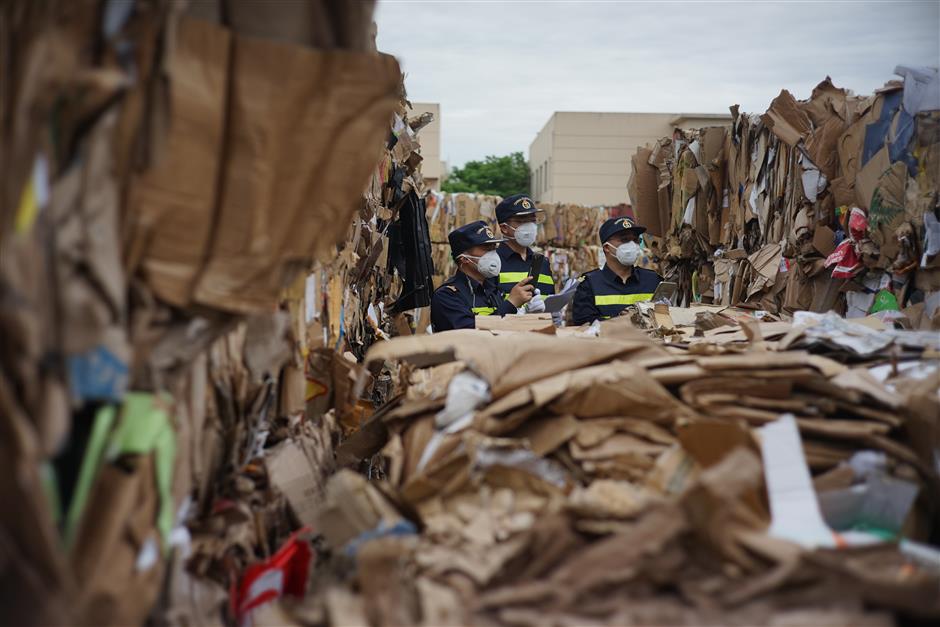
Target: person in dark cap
<point>605,292</point>
<point>518,217</point>
<point>472,290</point>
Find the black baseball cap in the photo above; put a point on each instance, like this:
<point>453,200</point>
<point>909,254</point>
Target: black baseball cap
<point>467,236</point>
<point>515,205</point>
<point>616,225</point>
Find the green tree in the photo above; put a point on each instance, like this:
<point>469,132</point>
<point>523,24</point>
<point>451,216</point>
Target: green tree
<point>496,176</point>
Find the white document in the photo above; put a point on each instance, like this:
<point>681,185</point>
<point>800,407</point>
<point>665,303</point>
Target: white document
<point>557,302</point>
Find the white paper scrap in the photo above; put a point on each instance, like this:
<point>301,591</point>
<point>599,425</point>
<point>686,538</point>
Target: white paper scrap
<point>795,514</point>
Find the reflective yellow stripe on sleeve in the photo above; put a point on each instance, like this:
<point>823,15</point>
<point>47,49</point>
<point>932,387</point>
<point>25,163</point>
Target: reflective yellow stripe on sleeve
<point>515,277</point>
<point>482,311</point>
<point>621,299</point>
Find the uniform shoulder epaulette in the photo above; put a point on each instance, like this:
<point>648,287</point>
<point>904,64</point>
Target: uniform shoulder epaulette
<point>448,284</point>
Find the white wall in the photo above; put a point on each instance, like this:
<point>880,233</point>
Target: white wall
<point>430,138</point>
<point>589,153</point>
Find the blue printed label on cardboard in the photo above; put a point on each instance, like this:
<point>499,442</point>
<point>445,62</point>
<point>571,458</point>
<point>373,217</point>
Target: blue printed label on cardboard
<point>97,375</point>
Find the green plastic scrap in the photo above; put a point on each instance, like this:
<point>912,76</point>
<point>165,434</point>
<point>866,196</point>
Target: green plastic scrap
<point>144,427</point>
<point>886,535</point>
<point>884,301</point>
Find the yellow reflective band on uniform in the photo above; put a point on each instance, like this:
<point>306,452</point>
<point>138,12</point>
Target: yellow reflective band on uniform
<point>515,277</point>
<point>482,311</point>
<point>621,299</point>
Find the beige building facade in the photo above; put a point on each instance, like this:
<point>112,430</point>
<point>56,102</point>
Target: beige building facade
<point>584,158</point>
<point>432,168</point>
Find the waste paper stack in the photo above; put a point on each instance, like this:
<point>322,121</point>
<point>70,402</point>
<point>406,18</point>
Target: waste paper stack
<point>207,212</point>
<point>599,476</point>
<point>212,227</point>
<point>825,203</point>
<point>446,212</point>
<point>570,233</point>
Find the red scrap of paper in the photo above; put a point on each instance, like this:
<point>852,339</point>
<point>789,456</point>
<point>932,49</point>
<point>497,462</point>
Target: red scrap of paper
<point>284,574</point>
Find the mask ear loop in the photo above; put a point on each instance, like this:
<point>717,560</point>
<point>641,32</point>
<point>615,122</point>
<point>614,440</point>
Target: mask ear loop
<point>462,256</point>
<point>473,296</point>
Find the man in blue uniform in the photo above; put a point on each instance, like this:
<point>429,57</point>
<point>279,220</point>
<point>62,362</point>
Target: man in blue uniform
<point>472,290</point>
<point>605,292</point>
<point>517,218</point>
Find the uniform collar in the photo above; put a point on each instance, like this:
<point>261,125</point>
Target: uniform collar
<point>466,279</point>
<point>507,251</point>
<point>612,276</point>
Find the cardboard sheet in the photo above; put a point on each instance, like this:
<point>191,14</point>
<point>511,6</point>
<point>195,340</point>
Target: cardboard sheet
<point>171,206</point>
<point>265,222</point>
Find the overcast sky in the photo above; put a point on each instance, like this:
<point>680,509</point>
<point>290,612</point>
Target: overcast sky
<point>500,68</point>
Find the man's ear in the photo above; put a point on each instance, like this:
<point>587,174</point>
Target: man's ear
<point>505,229</point>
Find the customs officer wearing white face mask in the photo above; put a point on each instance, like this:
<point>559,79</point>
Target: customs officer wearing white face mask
<point>604,293</point>
<point>518,219</point>
<point>472,290</point>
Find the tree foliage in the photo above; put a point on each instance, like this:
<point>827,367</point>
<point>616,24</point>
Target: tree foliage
<point>496,176</point>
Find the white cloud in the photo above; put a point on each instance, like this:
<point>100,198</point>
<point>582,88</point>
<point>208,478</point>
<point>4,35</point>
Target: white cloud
<point>499,69</point>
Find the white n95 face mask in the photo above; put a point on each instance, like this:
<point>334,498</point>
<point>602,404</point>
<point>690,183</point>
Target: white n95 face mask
<point>627,253</point>
<point>488,264</point>
<point>525,233</point>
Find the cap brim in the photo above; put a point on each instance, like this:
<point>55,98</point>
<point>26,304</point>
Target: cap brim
<point>515,214</point>
<point>493,241</point>
<point>638,230</point>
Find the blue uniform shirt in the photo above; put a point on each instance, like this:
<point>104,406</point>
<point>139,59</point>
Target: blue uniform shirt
<point>602,294</point>
<point>515,269</point>
<point>460,298</point>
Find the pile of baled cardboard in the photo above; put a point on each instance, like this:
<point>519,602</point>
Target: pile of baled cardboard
<point>784,473</point>
<point>212,218</point>
<point>826,203</point>
<point>196,209</point>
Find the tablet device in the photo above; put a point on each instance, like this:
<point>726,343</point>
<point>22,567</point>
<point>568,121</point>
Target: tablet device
<point>666,291</point>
